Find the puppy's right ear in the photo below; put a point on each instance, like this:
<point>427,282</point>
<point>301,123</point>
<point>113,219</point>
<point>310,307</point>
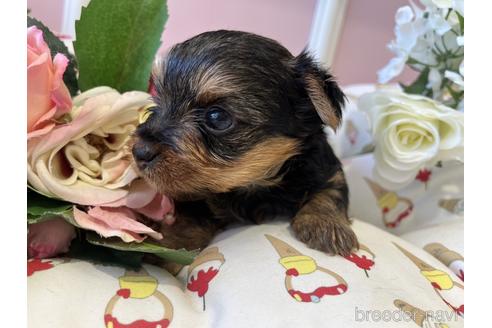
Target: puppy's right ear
<point>325,94</point>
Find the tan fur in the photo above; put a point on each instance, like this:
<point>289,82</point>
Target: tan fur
<point>321,103</point>
<point>336,182</point>
<point>193,171</point>
<point>322,225</point>
<point>214,84</point>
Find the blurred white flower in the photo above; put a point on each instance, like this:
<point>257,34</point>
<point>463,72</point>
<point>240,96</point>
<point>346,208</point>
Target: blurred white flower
<point>438,23</point>
<point>435,80</point>
<point>430,40</point>
<point>443,3</point>
<point>392,69</point>
<point>459,6</point>
<point>460,40</point>
<point>455,77</point>
<point>404,15</point>
<point>410,132</point>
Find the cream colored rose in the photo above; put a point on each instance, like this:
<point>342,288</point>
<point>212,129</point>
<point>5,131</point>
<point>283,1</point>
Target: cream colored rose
<point>411,132</point>
<point>84,161</point>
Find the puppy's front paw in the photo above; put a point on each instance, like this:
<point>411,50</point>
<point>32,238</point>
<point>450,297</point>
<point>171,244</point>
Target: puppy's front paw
<point>324,234</point>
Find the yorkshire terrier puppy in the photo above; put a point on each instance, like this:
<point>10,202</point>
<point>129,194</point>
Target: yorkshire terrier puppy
<point>237,136</point>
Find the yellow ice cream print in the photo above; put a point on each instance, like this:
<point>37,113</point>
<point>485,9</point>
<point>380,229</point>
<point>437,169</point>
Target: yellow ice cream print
<point>393,207</point>
<point>138,285</point>
<point>296,264</point>
<point>440,281</point>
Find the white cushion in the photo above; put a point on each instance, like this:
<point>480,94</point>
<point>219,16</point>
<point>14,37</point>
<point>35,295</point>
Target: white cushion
<point>254,273</point>
<point>419,205</point>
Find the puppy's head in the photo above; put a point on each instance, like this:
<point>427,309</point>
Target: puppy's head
<point>231,108</point>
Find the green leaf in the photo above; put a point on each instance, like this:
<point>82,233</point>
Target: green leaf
<point>117,41</point>
<point>419,85</point>
<point>461,20</point>
<point>41,208</point>
<point>180,256</point>
<point>57,46</point>
<point>82,250</point>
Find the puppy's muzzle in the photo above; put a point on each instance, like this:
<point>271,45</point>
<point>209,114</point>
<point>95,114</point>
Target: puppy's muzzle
<point>144,154</point>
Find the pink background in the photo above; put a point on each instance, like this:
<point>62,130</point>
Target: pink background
<point>361,50</point>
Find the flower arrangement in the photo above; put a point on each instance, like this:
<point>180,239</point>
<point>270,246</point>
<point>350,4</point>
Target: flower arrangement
<point>412,133</point>
<point>430,40</point>
<point>84,196</point>
<point>416,127</point>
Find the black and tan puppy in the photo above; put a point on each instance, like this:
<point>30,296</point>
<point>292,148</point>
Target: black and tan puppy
<point>237,136</point>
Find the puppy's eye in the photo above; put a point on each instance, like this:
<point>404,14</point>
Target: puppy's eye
<point>218,119</point>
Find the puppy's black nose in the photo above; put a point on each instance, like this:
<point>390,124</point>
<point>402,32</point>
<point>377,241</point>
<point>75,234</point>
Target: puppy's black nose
<point>143,154</point>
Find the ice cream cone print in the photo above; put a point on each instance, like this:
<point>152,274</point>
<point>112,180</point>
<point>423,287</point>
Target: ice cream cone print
<point>394,209</point>
<point>445,287</point>
<point>36,265</point>
<point>296,264</point>
<point>200,283</point>
<point>451,259</point>
<point>419,316</point>
<point>208,255</point>
<point>454,205</point>
<point>138,285</point>
<point>363,258</point>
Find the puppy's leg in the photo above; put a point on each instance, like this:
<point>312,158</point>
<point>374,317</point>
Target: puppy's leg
<point>323,223</point>
<point>187,233</point>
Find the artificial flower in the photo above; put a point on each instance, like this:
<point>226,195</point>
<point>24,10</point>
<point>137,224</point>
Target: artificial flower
<point>429,40</point>
<point>86,161</point>
<point>47,96</point>
<point>119,222</point>
<point>49,238</point>
<point>123,221</point>
<point>410,132</point>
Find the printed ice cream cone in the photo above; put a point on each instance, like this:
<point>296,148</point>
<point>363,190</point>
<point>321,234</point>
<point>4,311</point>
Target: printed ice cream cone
<point>140,284</point>
<point>297,264</point>
<point>393,207</point>
<point>363,247</point>
<point>290,258</point>
<point>419,316</point>
<point>453,260</point>
<point>416,314</point>
<point>454,205</point>
<point>443,254</point>
<point>447,289</point>
<point>423,266</point>
<point>442,279</point>
<point>385,198</point>
<point>208,255</point>
<point>283,249</point>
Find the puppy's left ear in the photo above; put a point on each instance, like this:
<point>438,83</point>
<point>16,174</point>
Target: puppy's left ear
<point>325,94</point>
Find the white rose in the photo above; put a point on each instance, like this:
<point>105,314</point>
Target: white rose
<point>410,132</point>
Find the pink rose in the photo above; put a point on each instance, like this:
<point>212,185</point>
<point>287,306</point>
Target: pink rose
<point>47,96</point>
<point>49,238</point>
<point>86,161</point>
<point>123,221</point>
